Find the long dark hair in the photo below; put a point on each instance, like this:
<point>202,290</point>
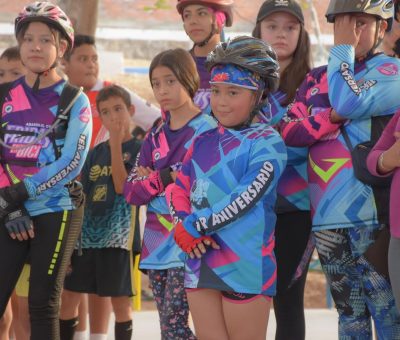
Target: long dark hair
<point>181,63</point>
<point>295,72</point>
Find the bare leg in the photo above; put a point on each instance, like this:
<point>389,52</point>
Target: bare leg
<point>69,304</point>
<point>83,313</point>
<point>5,323</point>
<point>122,307</point>
<point>99,314</point>
<point>247,320</point>
<point>23,327</point>
<point>207,313</point>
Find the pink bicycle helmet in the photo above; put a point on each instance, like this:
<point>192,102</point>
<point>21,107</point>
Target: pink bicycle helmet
<point>48,13</point>
<point>218,5</point>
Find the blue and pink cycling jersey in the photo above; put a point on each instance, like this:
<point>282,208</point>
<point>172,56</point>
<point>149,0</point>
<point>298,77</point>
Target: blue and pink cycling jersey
<point>357,91</point>
<point>227,189</point>
<point>27,114</point>
<point>163,151</point>
<point>293,193</point>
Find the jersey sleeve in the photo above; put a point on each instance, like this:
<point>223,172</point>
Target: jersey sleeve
<point>298,127</point>
<point>161,204</point>
<point>141,190</point>
<point>4,182</point>
<point>375,94</point>
<point>178,194</point>
<point>267,160</point>
<point>73,153</point>
<point>385,142</point>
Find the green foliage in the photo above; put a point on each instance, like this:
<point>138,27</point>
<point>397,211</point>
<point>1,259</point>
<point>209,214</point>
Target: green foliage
<point>159,4</point>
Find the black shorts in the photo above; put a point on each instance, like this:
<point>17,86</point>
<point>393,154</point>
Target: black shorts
<point>235,297</point>
<point>239,298</point>
<point>105,272</point>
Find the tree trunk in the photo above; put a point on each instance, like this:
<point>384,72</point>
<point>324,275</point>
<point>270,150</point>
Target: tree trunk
<point>83,15</point>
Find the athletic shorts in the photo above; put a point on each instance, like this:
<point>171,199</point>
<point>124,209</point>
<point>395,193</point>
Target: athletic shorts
<point>104,272</point>
<point>234,297</point>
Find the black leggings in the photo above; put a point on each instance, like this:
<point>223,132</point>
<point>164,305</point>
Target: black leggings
<point>50,250</point>
<point>292,233</point>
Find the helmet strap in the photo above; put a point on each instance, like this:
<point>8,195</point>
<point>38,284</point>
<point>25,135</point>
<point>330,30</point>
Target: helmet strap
<point>377,41</point>
<point>36,85</point>
<point>214,30</point>
<point>206,40</point>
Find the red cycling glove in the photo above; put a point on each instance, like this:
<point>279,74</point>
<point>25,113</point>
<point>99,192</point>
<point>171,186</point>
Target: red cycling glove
<point>185,240</point>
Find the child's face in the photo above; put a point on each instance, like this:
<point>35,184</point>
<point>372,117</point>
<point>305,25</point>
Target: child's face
<point>282,31</point>
<point>82,68</point>
<point>230,104</point>
<point>368,33</point>
<point>197,22</point>
<point>169,92</point>
<point>114,111</point>
<point>38,48</point>
<point>10,70</point>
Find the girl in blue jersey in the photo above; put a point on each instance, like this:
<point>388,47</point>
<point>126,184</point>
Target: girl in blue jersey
<point>174,80</point>
<point>337,107</point>
<point>281,24</point>
<point>224,198</point>
<point>40,212</point>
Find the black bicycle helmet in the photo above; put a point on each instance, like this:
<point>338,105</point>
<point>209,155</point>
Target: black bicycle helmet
<point>382,9</point>
<point>249,53</point>
<point>254,55</point>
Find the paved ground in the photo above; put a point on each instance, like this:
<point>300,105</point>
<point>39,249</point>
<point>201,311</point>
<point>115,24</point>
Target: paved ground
<point>320,323</point>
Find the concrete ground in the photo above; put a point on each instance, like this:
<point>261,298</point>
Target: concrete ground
<point>320,324</point>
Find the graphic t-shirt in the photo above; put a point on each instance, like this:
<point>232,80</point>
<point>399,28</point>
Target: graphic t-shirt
<point>107,217</point>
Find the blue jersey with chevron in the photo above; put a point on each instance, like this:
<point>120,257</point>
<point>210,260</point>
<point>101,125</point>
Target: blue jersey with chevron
<point>357,90</point>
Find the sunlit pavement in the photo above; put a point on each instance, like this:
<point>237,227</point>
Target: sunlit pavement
<point>321,324</point>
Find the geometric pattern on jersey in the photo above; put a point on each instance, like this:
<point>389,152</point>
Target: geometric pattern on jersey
<point>163,148</point>
<point>107,218</point>
<point>213,181</point>
<point>293,192</point>
<point>45,177</point>
<point>337,197</point>
<point>159,247</point>
<point>110,230</point>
